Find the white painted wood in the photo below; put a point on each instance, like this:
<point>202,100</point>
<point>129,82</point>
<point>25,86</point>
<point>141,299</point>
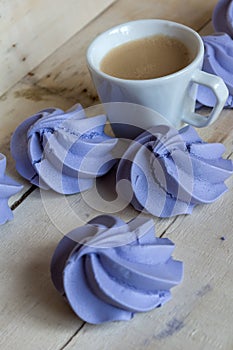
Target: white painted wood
<point>33,315</point>
<point>32,29</point>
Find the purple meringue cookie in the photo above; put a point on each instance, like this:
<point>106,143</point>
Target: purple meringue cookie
<point>8,187</point>
<point>108,269</point>
<point>166,172</point>
<point>64,151</point>
<point>223,17</point>
<point>218,60</point>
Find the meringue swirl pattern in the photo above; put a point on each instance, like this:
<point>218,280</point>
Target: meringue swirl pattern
<point>63,151</point>
<point>223,17</point>
<point>218,60</point>
<point>8,188</point>
<point>108,269</point>
<point>166,172</point>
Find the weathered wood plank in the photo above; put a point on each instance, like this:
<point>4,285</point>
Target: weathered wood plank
<point>31,30</point>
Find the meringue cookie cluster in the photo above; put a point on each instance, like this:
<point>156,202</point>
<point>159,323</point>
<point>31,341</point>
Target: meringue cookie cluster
<point>63,151</point>
<point>218,58</point>
<point>166,172</point>
<point>163,172</point>
<point>8,188</point>
<point>109,270</point>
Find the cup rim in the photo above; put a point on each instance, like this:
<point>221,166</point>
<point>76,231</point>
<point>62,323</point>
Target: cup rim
<point>93,67</point>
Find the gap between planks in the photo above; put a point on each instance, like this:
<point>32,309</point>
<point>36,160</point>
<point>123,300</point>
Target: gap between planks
<point>72,337</point>
<point>204,25</point>
<point>23,197</point>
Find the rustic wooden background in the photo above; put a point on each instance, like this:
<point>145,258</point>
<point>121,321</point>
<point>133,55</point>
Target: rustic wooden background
<point>33,315</point>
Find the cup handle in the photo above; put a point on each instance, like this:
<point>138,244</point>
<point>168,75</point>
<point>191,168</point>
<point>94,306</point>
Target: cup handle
<point>217,85</point>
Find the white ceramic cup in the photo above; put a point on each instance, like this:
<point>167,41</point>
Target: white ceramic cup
<point>174,95</point>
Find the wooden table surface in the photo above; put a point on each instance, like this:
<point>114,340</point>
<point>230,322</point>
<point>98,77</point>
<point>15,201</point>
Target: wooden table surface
<point>33,315</point>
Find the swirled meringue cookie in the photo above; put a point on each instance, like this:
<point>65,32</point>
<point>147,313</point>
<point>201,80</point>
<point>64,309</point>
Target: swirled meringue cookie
<point>223,17</point>
<point>8,188</point>
<point>63,151</point>
<point>218,60</point>
<point>166,172</point>
<point>108,269</point>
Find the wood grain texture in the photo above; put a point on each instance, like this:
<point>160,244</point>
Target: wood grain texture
<point>33,315</point>
<point>33,29</point>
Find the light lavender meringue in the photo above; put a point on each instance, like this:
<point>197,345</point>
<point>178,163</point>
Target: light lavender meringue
<point>8,188</point>
<point>218,60</point>
<point>108,269</point>
<point>166,172</point>
<point>223,17</point>
<point>64,151</point>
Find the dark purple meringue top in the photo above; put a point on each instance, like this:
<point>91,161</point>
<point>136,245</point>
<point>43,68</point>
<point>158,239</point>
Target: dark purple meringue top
<point>218,60</point>
<point>166,172</point>
<point>8,187</point>
<point>108,269</point>
<point>64,151</point>
<point>223,17</point>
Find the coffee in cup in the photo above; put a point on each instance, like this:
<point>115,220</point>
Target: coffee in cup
<point>147,58</point>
